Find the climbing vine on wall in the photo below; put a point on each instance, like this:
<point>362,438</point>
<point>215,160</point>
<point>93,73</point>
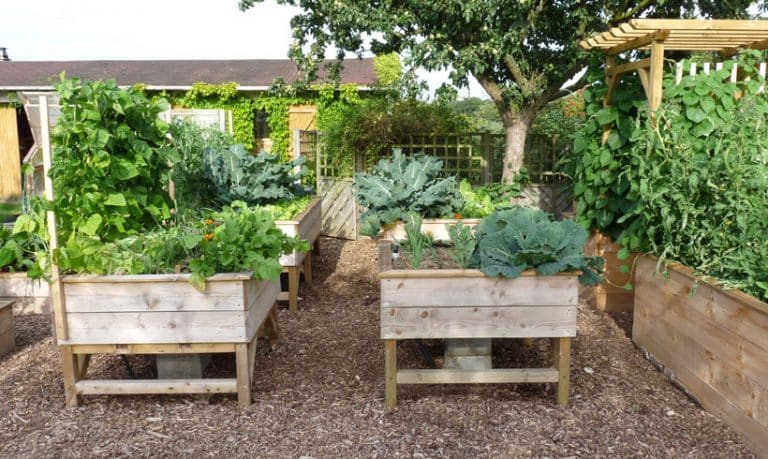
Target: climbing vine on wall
<point>276,103</point>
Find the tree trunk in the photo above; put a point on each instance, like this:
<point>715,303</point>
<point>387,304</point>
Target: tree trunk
<point>516,133</point>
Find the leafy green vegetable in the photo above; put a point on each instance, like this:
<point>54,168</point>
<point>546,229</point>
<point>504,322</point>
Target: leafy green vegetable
<point>283,210</point>
<point>237,175</point>
<point>111,161</point>
<point>416,242</point>
<point>511,241</point>
<point>401,185</point>
<point>477,203</point>
<point>464,243</point>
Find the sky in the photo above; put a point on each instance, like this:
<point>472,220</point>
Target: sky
<point>58,30</point>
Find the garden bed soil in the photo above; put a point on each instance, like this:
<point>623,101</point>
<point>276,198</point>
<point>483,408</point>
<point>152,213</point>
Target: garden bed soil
<point>320,393</point>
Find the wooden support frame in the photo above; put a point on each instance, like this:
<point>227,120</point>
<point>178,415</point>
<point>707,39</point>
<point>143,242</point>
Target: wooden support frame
<point>559,373</point>
<point>76,358</point>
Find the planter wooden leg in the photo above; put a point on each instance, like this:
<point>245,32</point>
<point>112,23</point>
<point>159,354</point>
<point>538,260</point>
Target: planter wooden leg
<point>390,374</point>
<point>561,354</point>
<point>243,378</point>
<point>293,288</point>
<point>82,365</point>
<point>308,269</point>
<point>70,368</point>
<point>271,331</point>
<point>316,247</point>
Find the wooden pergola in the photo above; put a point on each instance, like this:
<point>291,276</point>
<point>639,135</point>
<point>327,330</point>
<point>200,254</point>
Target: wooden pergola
<point>725,36</point>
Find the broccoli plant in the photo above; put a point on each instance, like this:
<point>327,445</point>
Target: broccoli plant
<point>511,241</point>
<point>401,185</point>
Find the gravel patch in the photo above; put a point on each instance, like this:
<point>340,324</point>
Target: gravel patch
<point>319,393</point>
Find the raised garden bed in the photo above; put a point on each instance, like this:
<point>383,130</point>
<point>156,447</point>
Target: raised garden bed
<point>31,296</point>
<point>162,314</point>
<point>458,304</point>
<point>713,342</point>
<point>306,225</point>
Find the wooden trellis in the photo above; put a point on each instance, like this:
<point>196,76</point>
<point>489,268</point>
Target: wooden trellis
<point>725,36</point>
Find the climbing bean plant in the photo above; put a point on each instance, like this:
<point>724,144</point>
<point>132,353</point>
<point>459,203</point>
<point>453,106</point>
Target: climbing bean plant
<point>692,181</point>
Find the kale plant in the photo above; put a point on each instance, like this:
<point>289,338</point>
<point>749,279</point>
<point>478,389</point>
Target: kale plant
<point>511,241</point>
<point>401,185</point>
<point>237,175</point>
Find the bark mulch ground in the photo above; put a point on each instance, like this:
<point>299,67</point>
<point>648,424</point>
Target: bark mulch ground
<point>319,393</point>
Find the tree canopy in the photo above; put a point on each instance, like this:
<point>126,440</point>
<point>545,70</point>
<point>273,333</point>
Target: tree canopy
<point>521,51</point>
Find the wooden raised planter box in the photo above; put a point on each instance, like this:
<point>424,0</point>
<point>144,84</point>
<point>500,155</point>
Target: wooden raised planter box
<point>466,304</point>
<point>610,294</point>
<point>305,226</point>
<point>162,314</point>
<point>31,296</point>
<point>434,226</point>
<point>713,342</point>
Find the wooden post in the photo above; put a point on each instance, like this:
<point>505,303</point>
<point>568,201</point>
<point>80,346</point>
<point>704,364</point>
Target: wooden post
<point>243,378</point>
<point>487,146</point>
<point>58,308</point>
<point>657,74</point>
<point>293,288</point>
<point>70,369</point>
<point>390,374</point>
<point>561,354</point>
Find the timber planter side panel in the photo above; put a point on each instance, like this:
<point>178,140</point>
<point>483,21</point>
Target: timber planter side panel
<point>164,308</point>
<point>31,296</point>
<point>714,342</point>
<point>305,226</point>
<point>436,227</point>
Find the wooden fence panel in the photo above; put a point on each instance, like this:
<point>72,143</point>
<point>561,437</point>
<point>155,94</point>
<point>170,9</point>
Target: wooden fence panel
<point>339,207</point>
<point>10,163</point>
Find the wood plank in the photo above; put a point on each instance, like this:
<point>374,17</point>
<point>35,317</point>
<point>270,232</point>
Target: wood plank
<point>458,273</point>
<point>390,374</point>
<point>260,309</point>
<point>19,285</point>
<point>176,348</point>
<point>637,42</point>
<point>437,227</point>
<point>628,67</point>
<point>561,352</point>
<point>451,291</point>
<point>71,375</point>
<point>478,322</point>
<point>154,386</point>
<point>243,377</point>
<point>152,297</point>
<point>755,434</point>
<point>151,278</point>
<point>156,327</point>
<point>492,376</point>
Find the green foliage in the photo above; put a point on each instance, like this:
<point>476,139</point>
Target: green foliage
<point>477,202</point>
<point>388,69</point>
<point>464,244</point>
<point>374,125</point>
<point>190,142</point>
<point>401,185</point>
<point>604,172</point>
<point>287,210</point>
<point>110,161</point>
<point>416,242</point>
<point>241,238</point>
<point>511,241</point>
<point>17,252</point>
<point>234,174</point>
<point>702,178</point>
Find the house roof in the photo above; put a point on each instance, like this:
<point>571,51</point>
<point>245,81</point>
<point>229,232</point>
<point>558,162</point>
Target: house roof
<point>171,74</point>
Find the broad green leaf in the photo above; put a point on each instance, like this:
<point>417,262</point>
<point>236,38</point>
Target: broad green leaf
<point>115,199</point>
<point>91,226</point>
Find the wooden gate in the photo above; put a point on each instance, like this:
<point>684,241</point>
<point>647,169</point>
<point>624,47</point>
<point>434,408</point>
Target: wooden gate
<point>334,185</point>
<point>556,199</point>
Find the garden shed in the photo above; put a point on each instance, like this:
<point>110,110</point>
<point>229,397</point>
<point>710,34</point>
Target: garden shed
<point>175,78</point>
<point>709,338</point>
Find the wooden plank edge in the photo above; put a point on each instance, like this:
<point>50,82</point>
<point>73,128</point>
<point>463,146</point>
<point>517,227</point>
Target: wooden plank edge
<point>178,348</point>
<point>140,278</point>
<point>493,376</point>
<point>154,386</point>
<point>455,273</point>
